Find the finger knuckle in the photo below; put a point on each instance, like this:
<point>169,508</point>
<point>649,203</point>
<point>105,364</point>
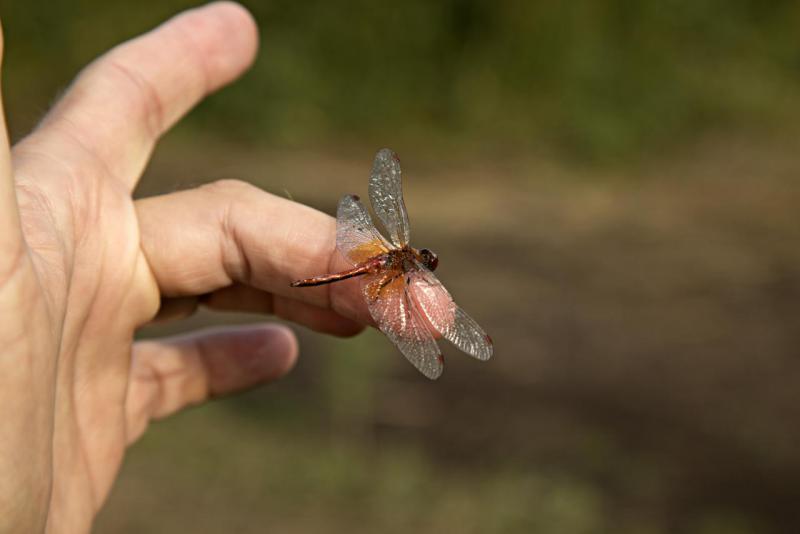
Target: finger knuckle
<point>231,187</point>
<point>141,93</point>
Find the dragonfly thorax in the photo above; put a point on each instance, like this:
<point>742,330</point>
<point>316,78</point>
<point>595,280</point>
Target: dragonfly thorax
<point>407,259</point>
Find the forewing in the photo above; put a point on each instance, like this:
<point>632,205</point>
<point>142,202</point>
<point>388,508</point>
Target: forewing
<point>438,307</point>
<point>356,237</point>
<point>397,316</point>
<point>386,196</point>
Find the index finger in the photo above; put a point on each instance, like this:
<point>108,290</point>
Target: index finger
<point>122,102</point>
<point>201,240</point>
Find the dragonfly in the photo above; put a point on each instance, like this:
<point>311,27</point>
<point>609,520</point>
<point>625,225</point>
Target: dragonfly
<point>406,300</point>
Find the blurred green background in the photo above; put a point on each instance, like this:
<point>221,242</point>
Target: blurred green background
<point>612,187</point>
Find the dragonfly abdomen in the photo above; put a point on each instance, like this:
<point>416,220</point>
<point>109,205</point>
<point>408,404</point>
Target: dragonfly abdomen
<point>370,266</point>
<point>330,278</point>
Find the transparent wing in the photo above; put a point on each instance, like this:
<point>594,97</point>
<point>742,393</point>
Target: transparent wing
<point>356,237</point>
<point>386,196</point>
<point>399,318</point>
<point>437,306</point>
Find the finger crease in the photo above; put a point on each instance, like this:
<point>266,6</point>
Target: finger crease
<point>152,107</point>
<point>238,268</point>
<point>202,354</point>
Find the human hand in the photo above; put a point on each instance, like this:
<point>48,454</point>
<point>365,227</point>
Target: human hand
<point>82,266</point>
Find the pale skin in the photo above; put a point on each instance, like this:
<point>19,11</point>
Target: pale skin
<point>83,266</point>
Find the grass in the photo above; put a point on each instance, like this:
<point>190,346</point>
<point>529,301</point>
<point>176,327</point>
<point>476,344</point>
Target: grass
<point>245,476</point>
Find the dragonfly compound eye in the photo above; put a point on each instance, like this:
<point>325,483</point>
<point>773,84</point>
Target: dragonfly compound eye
<point>429,259</point>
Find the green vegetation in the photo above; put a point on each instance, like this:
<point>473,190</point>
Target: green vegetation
<point>275,485</point>
<point>600,79</point>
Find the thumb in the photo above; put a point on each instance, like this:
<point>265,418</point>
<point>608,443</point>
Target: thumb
<point>170,374</point>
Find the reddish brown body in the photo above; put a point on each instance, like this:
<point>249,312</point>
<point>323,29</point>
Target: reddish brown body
<point>393,263</point>
<point>404,297</point>
<point>370,266</point>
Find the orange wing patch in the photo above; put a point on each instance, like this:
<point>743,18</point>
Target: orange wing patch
<point>366,251</point>
<point>397,285</point>
<point>386,286</point>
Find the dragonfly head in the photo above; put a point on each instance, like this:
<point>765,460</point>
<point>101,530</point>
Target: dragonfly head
<point>429,259</point>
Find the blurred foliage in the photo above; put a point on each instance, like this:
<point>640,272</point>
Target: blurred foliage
<point>339,487</point>
<point>647,329</point>
<point>602,79</point>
